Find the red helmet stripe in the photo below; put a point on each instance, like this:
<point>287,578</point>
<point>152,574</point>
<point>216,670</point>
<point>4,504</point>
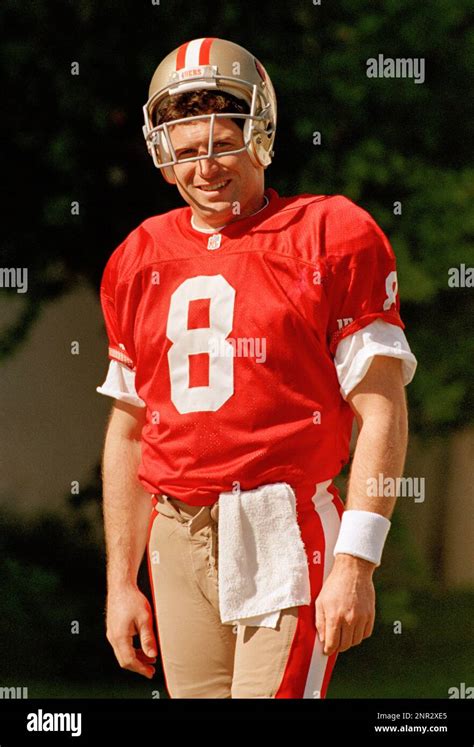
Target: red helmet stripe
<point>205,51</point>
<point>181,56</point>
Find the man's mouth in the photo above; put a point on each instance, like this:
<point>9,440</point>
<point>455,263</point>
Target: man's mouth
<point>215,187</point>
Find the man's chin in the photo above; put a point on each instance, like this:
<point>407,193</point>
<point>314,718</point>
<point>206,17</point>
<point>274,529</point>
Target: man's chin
<point>212,199</point>
<point>213,206</point>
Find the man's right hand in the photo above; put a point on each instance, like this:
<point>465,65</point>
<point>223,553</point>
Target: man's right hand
<point>129,614</point>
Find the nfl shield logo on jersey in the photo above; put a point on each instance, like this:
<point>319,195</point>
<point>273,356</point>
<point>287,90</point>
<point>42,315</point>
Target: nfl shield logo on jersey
<point>214,241</point>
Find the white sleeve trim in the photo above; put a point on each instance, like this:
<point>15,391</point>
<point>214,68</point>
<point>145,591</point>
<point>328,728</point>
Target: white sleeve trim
<point>120,384</point>
<point>355,353</point>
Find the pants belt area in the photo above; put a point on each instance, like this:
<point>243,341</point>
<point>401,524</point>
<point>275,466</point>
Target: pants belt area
<point>194,516</point>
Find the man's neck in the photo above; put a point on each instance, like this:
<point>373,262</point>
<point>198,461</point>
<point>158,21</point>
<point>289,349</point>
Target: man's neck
<point>206,228</point>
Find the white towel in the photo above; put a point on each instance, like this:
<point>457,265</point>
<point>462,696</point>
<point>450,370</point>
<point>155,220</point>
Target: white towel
<point>262,562</point>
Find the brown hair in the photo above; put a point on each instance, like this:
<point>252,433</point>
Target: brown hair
<point>192,103</point>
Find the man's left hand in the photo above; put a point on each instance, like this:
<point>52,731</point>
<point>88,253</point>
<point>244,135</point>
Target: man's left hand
<point>345,607</point>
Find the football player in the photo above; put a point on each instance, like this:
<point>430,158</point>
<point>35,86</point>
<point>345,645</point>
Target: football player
<point>246,332</point>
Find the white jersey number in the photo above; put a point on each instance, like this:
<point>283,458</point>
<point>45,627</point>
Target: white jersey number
<point>188,342</point>
<point>391,288</point>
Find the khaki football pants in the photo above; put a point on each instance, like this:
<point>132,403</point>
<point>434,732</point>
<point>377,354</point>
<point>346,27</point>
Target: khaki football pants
<point>203,658</point>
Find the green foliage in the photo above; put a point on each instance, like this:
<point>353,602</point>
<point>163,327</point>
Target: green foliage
<point>383,141</point>
<point>78,138</point>
<point>412,661</point>
<point>402,575</point>
<point>51,575</point>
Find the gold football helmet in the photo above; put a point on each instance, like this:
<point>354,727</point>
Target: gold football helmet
<point>220,65</point>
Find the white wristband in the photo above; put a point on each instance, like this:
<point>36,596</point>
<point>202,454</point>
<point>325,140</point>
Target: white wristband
<point>363,534</point>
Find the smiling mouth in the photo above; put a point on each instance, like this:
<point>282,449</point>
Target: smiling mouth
<point>213,188</point>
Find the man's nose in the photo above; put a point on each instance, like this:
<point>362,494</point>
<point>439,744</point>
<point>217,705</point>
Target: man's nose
<point>207,166</point>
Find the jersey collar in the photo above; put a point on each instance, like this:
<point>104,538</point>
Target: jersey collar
<point>214,238</point>
<point>219,228</point>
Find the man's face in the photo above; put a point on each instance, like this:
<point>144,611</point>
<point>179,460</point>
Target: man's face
<point>243,183</point>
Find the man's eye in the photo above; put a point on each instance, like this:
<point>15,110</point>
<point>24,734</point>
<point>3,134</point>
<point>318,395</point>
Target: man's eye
<point>189,152</point>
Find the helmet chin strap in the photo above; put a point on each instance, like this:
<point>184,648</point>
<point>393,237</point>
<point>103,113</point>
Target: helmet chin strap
<point>213,230</point>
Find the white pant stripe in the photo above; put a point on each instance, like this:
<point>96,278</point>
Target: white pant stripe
<point>330,521</point>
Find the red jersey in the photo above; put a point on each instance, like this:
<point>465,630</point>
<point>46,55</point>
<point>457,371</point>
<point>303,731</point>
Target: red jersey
<point>232,338</point>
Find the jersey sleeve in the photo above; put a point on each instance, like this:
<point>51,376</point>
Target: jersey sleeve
<point>363,276</point>
<point>120,384</point>
<point>116,349</point>
<point>355,353</point>
<point>119,297</point>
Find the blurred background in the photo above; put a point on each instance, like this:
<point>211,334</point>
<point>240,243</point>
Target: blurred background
<point>78,180</point>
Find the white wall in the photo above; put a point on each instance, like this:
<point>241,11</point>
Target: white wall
<point>52,420</point>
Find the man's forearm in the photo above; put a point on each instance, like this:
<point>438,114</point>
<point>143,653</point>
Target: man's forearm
<point>380,450</point>
<point>126,507</point>
<point>345,607</point>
